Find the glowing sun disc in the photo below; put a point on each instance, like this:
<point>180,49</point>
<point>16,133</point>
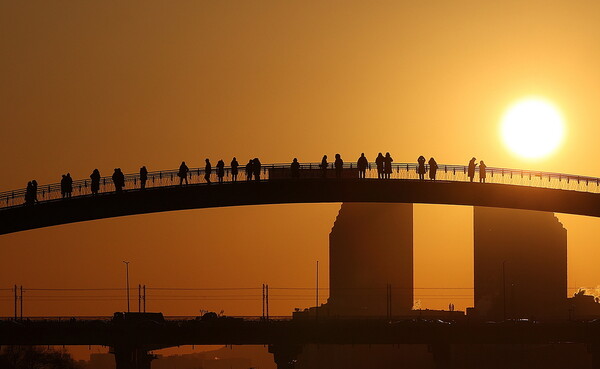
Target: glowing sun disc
<point>532,128</point>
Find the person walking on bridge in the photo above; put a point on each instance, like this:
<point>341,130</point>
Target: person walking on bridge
<point>63,186</point>
<point>421,167</point>
<point>471,169</point>
<point>256,169</point>
<point>295,169</point>
<point>249,170</point>
<point>183,173</point>
<point>143,177</point>
<point>220,170</point>
<point>379,163</point>
<point>324,166</point>
<point>433,167</point>
<point>362,165</point>
<point>234,169</point>
<point>95,185</point>
<point>482,173</point>
<point>207,171</point>
<point>339,166</point>
<point>387,165</point>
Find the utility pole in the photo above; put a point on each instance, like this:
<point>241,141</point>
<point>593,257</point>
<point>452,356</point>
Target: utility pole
<point>127,282</point>
<point>139,298</point>
<point>504,289</point>
<point>144,289</point>
<point>21,302</point>
<point>317,293</point>
<point>16,301</point>
<point>267,298</point>
<point>263,301</point>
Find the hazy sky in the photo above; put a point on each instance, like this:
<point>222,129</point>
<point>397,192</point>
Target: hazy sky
<point>105,84</point>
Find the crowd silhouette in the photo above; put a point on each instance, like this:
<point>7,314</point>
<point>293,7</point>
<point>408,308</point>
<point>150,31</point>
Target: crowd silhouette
<point>253,168</point>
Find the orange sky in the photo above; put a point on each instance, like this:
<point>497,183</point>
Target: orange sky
<point>122,84</point>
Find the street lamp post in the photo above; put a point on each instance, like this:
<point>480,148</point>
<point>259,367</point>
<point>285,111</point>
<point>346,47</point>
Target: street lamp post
<point>127,281</point>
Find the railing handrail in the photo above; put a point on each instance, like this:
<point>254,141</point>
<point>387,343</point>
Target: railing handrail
<point>172,173</point>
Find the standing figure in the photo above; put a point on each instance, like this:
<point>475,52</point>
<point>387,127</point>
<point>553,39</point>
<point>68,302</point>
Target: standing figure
<point>379,163</point>
<point>433,167</point>
<point>234,169</point>
<point>118,180</point>
<point>143,177</point>
<point>249,170</point>
<point>63,186</point>
<point>387,165</point>
<point>207,171</point>
<point>29,194</point>
<point>183,173</point>
<point>339,166</point>
<point>482,173</point>
<point>34,188</point>
<point>95,185</point>
<point>421,168</point>
<point>256,169</point>
<point>362,165</point>
<point>324,166</point>
<point>471,169</point>
<point>220,170</point>
<point>69,185</point>
<point>295,169</point>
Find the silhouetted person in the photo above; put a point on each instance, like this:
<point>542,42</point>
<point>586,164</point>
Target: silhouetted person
<point>63,186</point>
<point>69,185</point>
<point>379,162</point>
<point>29,194</point>
<point>324,166</point>
<point>249,170</point>
<point>34,188</point>
<point>118,179</point>
<point>207,171</point>
<point>421,167</point>
<point>95,185</point>
<point>362,165</point>
<point>387,165</point>
<point>482,173</point>
<point>471,169</point>
<point>339,166</point>
<point>143,177</point>
<point>220,170</point>
<point>295,169</point>
<point>433,167</point>
<point>256,169</point>
<point>234,169</point>
<point>183,173</point>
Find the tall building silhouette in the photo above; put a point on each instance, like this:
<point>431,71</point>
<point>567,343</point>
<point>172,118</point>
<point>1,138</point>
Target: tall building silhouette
<point>520,264</point>
<point>371,247</point>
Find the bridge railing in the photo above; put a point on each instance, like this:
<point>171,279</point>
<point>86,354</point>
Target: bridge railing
<point>400,171</point>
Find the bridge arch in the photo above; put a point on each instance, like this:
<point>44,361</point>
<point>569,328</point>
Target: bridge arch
<point>289,191</point>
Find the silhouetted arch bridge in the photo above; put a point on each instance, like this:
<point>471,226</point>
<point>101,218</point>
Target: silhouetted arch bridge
<point>505,188</point>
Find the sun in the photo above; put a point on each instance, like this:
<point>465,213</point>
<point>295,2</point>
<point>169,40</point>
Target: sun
<point>532,128</point>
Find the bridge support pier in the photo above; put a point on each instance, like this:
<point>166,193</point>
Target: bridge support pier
<point>285,356</point>
<point>442,355</point>
<point>127,357</point>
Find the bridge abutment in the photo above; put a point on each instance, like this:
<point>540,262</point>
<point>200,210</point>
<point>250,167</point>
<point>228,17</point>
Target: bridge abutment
<point>128,357</point>
<point>285,356</point>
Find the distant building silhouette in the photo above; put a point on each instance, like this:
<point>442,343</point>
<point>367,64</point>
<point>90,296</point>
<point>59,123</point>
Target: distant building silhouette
<point>520,264</point>
<point>371,246</point>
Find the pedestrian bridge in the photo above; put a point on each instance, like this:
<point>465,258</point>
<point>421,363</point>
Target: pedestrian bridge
<point>505,188</point>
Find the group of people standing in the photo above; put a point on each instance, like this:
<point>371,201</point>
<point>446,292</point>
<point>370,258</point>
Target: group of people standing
<point>471,170</point>
<point>253,172</point>
<point>66,185</point>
